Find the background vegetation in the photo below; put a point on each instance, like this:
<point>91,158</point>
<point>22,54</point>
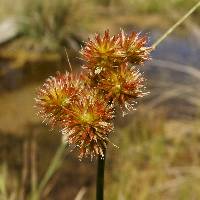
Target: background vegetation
<point>159,154</point>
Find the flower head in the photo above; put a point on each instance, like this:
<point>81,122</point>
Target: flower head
<point>56,94</point>
<point>135,47</point>
<point>82,106</point>
<point>101,52</point>
<point>122,85</point>
<point>88,123</point>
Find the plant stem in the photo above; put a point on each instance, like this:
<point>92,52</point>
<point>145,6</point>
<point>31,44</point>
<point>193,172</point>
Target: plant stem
<point>171,29</point>
<point>100,177</point>
<point>54,165</point>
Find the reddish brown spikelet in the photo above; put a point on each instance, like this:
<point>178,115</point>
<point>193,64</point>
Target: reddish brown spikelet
<point>101,52</point>
<point>135,47</point>
<point>88,124</point>
<point>82,106</point>
<point>57,94</point>
<point>123,85</point>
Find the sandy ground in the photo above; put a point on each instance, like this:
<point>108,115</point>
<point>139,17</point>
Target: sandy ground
<point>17,109</point>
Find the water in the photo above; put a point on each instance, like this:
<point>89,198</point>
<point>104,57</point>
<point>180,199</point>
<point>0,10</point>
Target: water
<point>181,49</point>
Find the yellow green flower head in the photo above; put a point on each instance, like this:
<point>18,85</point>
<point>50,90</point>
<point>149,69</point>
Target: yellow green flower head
<point>123,86</point>
<point>56,95</point>
<point>135,47</point>
<point>89,123</point>
<point>101,52</point>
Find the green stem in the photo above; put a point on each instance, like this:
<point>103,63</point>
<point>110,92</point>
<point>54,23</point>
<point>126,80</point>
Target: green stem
<point>171,29</point>
<point>100,177</point>
<point>53,166</point>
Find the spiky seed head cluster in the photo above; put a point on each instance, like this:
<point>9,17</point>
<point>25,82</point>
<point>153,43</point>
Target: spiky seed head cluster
<point>118,78</point>
<point>122,86</point>
<point>135,47</point>
<point>56,94</point>
<point>83,105</point>
<point>88,123</point>
<point>101,53</point>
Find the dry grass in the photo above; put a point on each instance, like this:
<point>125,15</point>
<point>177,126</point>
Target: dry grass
<point>157,159</point>
<point>158,156</point>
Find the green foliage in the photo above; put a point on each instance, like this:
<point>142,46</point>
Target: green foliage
<point>11,190</point>
<point>53,23</point>
<point>155,6</point>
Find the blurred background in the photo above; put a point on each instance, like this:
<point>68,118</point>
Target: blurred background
<point>159,144</point>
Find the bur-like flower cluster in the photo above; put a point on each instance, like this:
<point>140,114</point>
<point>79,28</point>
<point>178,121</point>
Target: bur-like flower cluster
<point>83,105</point>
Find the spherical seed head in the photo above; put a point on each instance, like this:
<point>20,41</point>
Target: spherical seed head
<point>88,124</point>
<point>57,94</point>
<point>135,47</point>
<point>101,52</point>
<point>123,86</point>
<point>83,106</point>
